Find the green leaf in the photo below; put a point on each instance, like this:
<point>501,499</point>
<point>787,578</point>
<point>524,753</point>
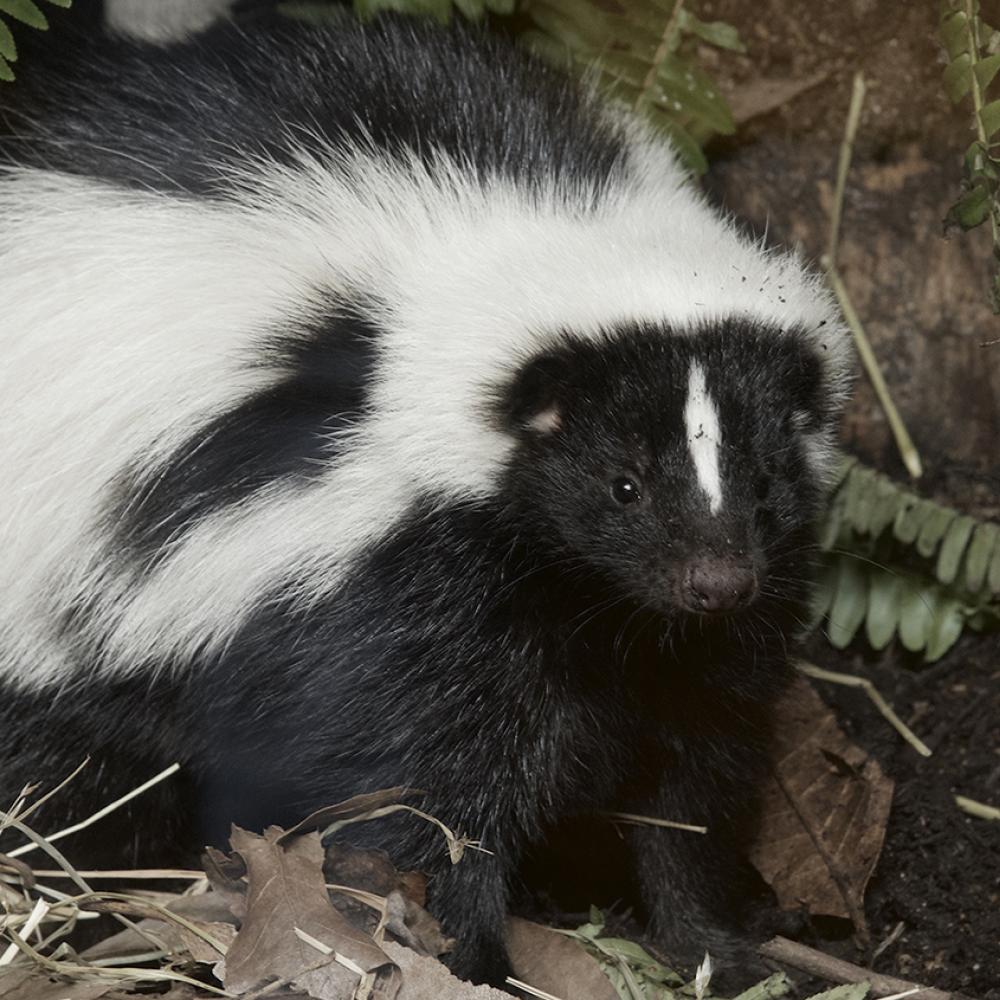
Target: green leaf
<point>989,115</point>
<point>8,48</point>
<point>6,73</point>
<point>977,561</point>
<point>954,34</point>
<point>26,12</point>
<point>565,31</point>
<point>957,77</point>
<point>909,519</point>
<point>859,496</point>
<point>835,514</point>
<point>884,589</point>
<point>683,88</point>
<point>850,601</point>
<point>972,209</point>
<point>887,504</point>
<point>687,149</point>
<point>945,627</point>
<point>986,69</point>
<point>993,574</point>
<point>915,613</point>
<point>772,988</point>
<point>717,33</point>
<point>933,529</point>
<point>953,547</point>
<point>849,991</point>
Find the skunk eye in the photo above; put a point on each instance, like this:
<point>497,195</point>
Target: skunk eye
<point>625,490</point>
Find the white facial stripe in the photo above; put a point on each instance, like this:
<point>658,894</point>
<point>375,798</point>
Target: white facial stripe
<point>704,436</point>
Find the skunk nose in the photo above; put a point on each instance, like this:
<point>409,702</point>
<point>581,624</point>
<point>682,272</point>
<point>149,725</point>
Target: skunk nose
<point>717,583</point>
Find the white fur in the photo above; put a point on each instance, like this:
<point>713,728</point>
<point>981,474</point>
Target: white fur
<point>130,319</point>
<point>163,20</point>
<point>704,436</point>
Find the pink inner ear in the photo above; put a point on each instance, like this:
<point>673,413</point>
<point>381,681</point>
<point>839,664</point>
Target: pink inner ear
<point>547,420</point>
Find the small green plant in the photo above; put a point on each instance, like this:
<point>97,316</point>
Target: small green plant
<point>898,564</point>
<point>645,53</point>
<point>27,12</point>
<point>973,49</point>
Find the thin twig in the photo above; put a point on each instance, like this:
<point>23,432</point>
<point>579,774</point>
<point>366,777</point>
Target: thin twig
<point>852,680</point>
<point>101,813</point>
<point>836,970</point>
<point>907,449</point>
<point>654,821</point>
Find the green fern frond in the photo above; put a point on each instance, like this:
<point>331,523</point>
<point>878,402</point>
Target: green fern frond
<point>643,52</point>
<point>27,12</point>
<point>973,49</point>
<point>898,564</point>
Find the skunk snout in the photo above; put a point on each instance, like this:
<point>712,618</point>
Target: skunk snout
<point>718,584</point>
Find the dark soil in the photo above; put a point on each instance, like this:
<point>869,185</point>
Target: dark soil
<point>923,301</point>
<point>939,873</point>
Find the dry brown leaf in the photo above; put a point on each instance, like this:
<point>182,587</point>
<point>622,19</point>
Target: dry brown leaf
<point>226,875</point>
<point>208,911</point>
<point>824,812</point>
<point>371,870</point>
<point>428,979</point>
<point>286,893</point>
<point>413,926</point>
<point>766,94</point>
<point>30,984</point>
<point>555,963</point>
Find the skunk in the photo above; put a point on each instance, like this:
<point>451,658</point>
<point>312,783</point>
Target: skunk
<point>382,409</point>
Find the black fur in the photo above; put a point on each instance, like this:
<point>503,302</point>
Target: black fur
<point>176,118</point>
<point>289,431</point>
<point>517,659</point>
<point>523,659</point>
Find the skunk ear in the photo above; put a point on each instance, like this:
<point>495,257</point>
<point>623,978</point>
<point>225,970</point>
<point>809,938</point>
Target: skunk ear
<point>535,399</point>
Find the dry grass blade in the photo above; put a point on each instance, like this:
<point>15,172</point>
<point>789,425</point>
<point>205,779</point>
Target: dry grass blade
<point>655,821</point>
<point>34,918</point>
<point>530,990</point>
<point>23,814</point>
<point>70,872</point>
<point>99,815</point>
<point>978,809</point>
<point>907,449</point>
<point>853,680</point>
<point>129,874</point>
<point>457,844</point>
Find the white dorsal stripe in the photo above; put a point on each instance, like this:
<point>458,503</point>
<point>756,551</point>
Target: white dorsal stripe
<point>704,435</point>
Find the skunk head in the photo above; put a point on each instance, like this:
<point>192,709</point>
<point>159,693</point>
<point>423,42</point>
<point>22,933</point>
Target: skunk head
<point>684,468</point>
